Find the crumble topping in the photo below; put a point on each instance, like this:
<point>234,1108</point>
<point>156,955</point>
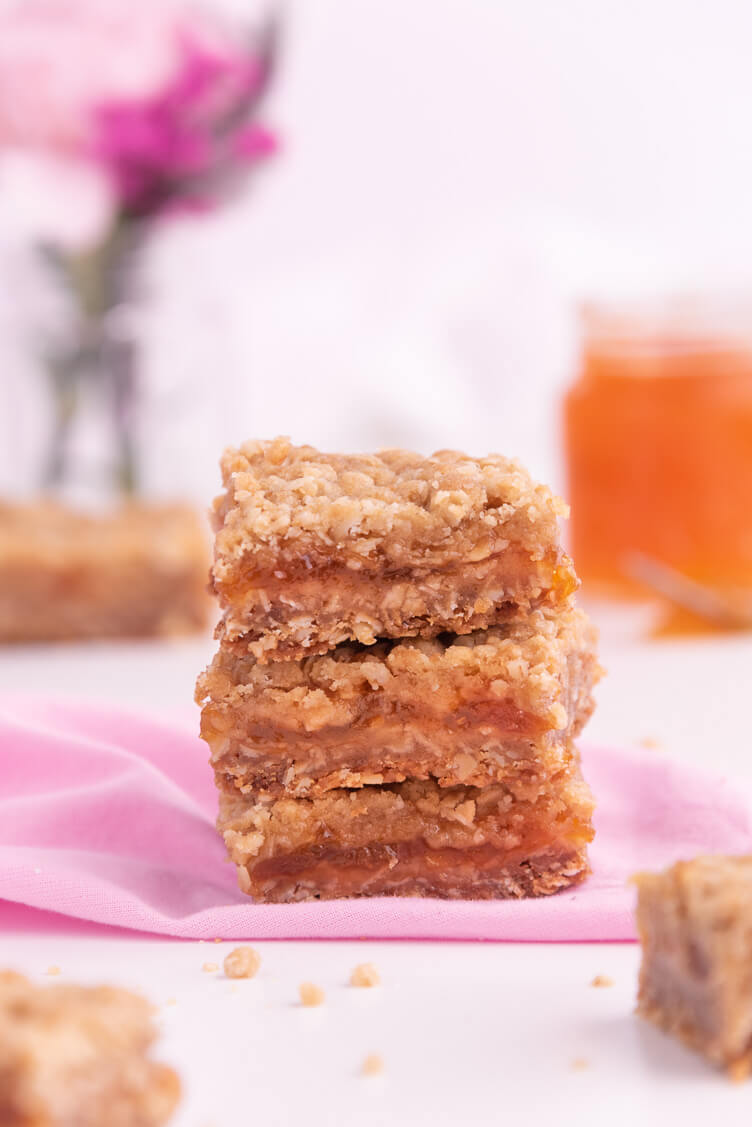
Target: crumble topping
<point>54,536</point>
<point>361,508</point>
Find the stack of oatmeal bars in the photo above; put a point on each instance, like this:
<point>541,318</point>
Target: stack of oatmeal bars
<point>400,677</point>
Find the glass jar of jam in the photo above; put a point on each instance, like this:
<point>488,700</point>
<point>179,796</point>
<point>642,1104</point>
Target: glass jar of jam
<point>658,445</point>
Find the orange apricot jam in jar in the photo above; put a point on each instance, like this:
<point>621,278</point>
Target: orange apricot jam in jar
<point>658,445</point>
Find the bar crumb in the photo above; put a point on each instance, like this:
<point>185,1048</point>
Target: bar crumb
<point>210,967</point>
<point>602,980</point>
<point>310,994</point>
<point>365,974</point>
<point>373,1065</point>
<point>52,971</point>
<point>242,962</point>
<point>579,1064</point>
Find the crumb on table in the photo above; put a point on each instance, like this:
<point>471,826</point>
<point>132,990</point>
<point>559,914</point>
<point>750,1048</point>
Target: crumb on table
<point>242,962</point>
<point>210,967</point>
<point>373,1065</point>
<point>310,994</point>
<point>602,980</point>
<point>52,971</point>
<point>365,974</point>
<point>579,1064</point>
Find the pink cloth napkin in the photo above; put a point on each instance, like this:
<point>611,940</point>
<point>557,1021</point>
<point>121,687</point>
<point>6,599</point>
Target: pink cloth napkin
<point>109,817</point>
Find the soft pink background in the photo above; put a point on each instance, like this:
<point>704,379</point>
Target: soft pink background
<point>108,817</point>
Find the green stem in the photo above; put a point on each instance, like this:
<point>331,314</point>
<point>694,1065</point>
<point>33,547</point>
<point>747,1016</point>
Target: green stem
<point>64,391</point>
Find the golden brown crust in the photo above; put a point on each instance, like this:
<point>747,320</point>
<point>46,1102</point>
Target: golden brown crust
<point>695,926</point>
<point>138,571</point>
<point>71,1054</point>
<point>312,549</point>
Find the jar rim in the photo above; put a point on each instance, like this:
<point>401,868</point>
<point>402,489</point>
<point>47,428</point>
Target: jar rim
<point>711,319</point>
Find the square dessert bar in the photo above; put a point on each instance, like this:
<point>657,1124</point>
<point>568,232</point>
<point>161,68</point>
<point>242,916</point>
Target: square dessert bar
<point>137,571</point>
<point>437,766</point>
<point>464,710</point>
<point>315,549</point>
<point>524,838</point>
<point>72,1055</point>
<point>695,925</point>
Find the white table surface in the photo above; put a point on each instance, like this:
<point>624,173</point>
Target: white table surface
<point>470,1033</point>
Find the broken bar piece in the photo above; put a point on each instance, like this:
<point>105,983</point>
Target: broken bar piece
<point>79,1055</point>
<point>315,549</point>
<point>695,926</point>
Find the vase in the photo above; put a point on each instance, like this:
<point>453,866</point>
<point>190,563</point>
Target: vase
<point>91,371</point>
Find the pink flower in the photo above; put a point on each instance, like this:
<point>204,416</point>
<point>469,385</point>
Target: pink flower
<point>183,141</point>
<point>152,98</point>
<point>60,57</point>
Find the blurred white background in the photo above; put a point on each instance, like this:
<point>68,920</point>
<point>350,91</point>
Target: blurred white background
<point>454,174</point>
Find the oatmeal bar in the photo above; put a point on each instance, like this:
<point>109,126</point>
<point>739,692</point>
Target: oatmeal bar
<point>316,549</point>
<point>695,925</point>
<point>483,707</point>
<point>72,1055</point>
<point>526,838</point>
<point>135,572</point>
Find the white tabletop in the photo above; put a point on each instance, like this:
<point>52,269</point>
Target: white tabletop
<point>473,1033</point>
